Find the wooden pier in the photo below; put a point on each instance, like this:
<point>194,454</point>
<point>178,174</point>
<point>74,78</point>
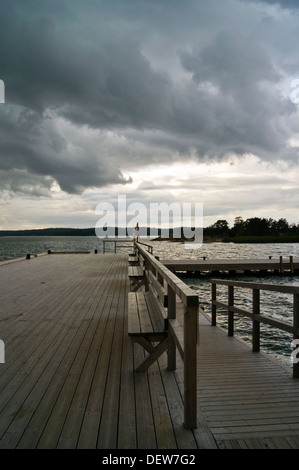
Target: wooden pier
<point>69,379</point>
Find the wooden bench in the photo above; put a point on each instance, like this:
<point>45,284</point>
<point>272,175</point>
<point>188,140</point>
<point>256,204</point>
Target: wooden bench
<point>136,276</point>
<point>147,317</point>
<point>134,261</point>
<point>147,325</point>
<point>173,295</point>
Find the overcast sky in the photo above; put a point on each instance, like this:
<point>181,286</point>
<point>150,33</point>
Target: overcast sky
<point>159,100</point>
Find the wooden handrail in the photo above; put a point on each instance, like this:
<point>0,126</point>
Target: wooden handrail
<point>188,297</point>
<point>186,338</point>
<point>150,248</point>
<point>256,316</point>
<point>258,285</point>
<point>129,244</point>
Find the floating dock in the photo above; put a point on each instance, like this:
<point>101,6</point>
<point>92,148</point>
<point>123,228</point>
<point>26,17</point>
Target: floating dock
<point>69,378</point>
<point>287,265</point>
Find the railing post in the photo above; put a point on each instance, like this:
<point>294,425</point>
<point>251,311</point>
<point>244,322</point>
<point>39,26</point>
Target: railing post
<point>146,270</point>
<point>171,309</point>
<point>214,297</point>
<point>296,333</point>
<point>230,312</point>
<point>255,323</point>
<point>190,367</point>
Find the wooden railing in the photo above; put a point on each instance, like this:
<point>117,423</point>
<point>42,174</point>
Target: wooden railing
<point>125,244</point>
<point>150,248</point>
<point>118,244</point>
<point>183,337</point>
<point>255,314</point>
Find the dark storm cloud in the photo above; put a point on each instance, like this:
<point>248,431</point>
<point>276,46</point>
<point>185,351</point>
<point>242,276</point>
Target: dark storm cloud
<point>85,70</point>
<point>90,71</point>
<point>156,80</point>
<point>292,4</point>
<point>244,115</point>
<point>34,145</point>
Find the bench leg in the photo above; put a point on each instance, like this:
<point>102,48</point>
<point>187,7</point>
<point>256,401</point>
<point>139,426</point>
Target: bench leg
<point>154,355</point>
<point>135,285</point>
<point>146,344</point>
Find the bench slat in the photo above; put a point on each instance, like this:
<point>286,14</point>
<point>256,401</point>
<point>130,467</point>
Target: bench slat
<point>144,314</point>
<point>135,271</point>
<point>143,317</point>
<point>133,317</point>
<point>155,309</point>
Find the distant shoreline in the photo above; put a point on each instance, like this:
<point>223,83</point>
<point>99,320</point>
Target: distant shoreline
<point>66,232</point>
<point>263,239</point>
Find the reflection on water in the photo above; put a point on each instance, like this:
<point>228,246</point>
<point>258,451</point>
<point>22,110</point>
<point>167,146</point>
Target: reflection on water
<point>275,304</point>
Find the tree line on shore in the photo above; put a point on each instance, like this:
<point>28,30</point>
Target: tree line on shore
<point>251,227</point>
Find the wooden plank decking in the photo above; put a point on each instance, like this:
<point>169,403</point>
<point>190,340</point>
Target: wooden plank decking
<point>69,381</point>
<point>248,400</point>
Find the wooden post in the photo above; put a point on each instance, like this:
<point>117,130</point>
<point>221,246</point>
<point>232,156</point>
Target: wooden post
<point>214,296</point>
<point>230,312</point>
<point>296,334</point>
<point>256,323</point>
<point>291,265</point>
<point>190,368</point>
<point>281,264</point>
<point>104,247</point>
<point>171,309</point>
